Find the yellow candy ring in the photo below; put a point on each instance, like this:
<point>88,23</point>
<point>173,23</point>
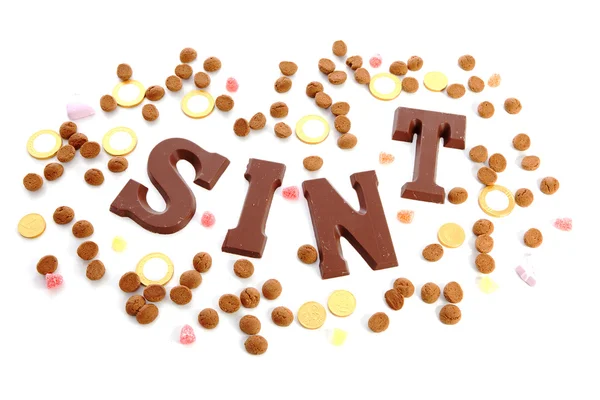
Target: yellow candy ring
<point>385,96</point>
<point>201,114</point>
<point>165,279</point>
<point>44,155</point>
<point>130,103</point>
<point>310,139</point>
<point>119,152</point>
<point>496,213</point>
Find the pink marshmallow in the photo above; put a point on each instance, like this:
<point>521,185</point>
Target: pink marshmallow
<point>187,335</point>
<point>564,224</point>
<point>53,280</point>
<point>291,193</point>
<point>375,61</point>
<point>208,219</point>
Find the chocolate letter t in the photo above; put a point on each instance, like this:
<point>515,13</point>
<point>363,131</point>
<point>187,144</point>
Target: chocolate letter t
<point>429,126</point>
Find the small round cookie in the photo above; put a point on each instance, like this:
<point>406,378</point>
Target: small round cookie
<point>208,318</point>
<point>430,292</point>
<point>533,238</point>
<point>379,322</point>
<point>450,314</point>
<point>483,227</point>
<point>433,252</point>
<point>485,263</point>
<point>405,287</point>
<point>457,195</point>
<point>549,185</point>
<point>453,293</point>
<point>484,243</point>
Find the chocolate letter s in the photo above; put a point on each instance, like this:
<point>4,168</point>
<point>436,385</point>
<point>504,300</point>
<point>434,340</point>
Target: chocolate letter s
<point>430,127</point>
<point>162,169</point>
<point>333,218</point>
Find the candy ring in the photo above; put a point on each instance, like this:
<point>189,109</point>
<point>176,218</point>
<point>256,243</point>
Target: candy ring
<point>119,152</point>
<point>43,155</point>
<point>164,280</point>
<point>435,81</point>
<point>130,103</point>
<point>310,139</point>
<point>385,96</point>
<point>200,114</point>
<point>496,213</point>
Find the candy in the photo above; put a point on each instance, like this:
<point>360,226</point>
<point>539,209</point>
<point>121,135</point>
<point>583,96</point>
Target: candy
<point>187,335</point>
<point>524,275</point>
<point>208,219</point>
<point>487,285</point>
<point>79,110</point>
<point>53,280</point>
<point>405,216</point>
<point>291,193</point>
<point>232,85</point>
<point>118,244</point>
<point>564,224</point>
<point>375,61</point>
<point>338,337</point>
<point>386,158</point>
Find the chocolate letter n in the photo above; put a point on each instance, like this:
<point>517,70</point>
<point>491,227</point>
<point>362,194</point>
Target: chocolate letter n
<point>162,170</point>
<point>333,218</point>
<point>430,127</point>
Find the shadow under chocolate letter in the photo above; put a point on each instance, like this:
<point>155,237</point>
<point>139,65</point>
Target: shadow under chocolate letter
<point>248,238</point>
<point>333,218</point>
<point>162,170</point>
<point>430,127</point>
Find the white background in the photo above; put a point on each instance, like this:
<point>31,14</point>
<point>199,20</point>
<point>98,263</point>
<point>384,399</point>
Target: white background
<point>520,341</point>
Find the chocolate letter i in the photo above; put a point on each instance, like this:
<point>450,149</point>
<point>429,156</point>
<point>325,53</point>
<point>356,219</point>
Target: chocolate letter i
<point>333,218</point>
<point>162,170</point>
<point>248,238</point>
<point>429,126</point>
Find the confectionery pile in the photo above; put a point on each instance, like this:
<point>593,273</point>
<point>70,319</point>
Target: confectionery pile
<point>332,217</point>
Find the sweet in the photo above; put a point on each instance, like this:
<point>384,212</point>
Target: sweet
<point>212,64</point>
<point>162,170</point>
<point>174,84</point>
<point>313,88</point>
<point>202,262</point>
<point>494,80</point>
<point>379,322</point>
<point>354,62</point>
<point>208,318</point>
<point>250,325</point>
<point>485,263</point>
<point>533,238</point>
<point>124,72</point>
<point>485,109</point>
<point>201,80</point>
<point>224,103</point>
<point>150,112</point>
<point>347,141</point>
<point>512,105</point>
<point>232,85</point>
<point>339,48</point>
<point>564,224</point>
<point>326,66</point>
<point>466,62</point>
<point>282,130</point>
<point>307,254</point>
<point>497,162</point>
<point>54,280</point>
<point>208,219</point>
<point>457,195</point>
<point>530,163</point>
<point>291,193</point>
<point>53,171</point>
<point>405,216</point>
<point>33,182</point>
<point>89,150</point>
<point>288,68</point>
<point>394,299</point>
<point>484,243</point>
<point>415,63</point>
<point>155,293</point>
<point>82,229</point>
<point>521,142</point>
<point>271,289</point>
<point>129,282</point>
<point>147,314</point>
<point>229,303</point>
<point>184,71</point>
<point>283,84</point>
<point>549,185</point>
<point>375,61</point>
<point>450,314</point>
<point>250,297</point>
<point>282,316</point>
<point>180,295</point>
<point>340,108</point>
<point>187,335</point>
<point>404,286</point>
<point>248,238</point>
<point>188,55</point>
<point>339,77</point>
<point>243,268</point>
<point>256,345</point>
<point>241,127</point>
<point>331,216</point>
<point>342,124</point>
<point>47,265</point>
<point>279,110</point>
<point>323,100</point>
<point>63,215</point>
<point>312,163</point>
<point>94,177</point>
<point>95,270</point>
<point>87,250</point>
<point>134,303</point>
<point>423,186</point>
<point>77,140</point>
<point>398,68</point>
<point>453,293</point>
<point>478,154</point>
<point>523,197</point>
<point>456,90</point>
<point>66,153</point>
<point>118,164</point>
<point>410,85</point>
<point>258,121</point>
<point>190,279</point>
<point>487,176</point>
<point>155,93</point>
<point>430,292</point>
<point>483,227</point>
<point>433,252</point>
<point>476,84</point>
<point>108,103</point>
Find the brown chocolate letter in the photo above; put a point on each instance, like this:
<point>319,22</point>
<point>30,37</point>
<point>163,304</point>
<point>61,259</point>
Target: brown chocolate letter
<point>248,238</point>
<point>366,229</point>
<point>162,170</point>
<point>429,126</point>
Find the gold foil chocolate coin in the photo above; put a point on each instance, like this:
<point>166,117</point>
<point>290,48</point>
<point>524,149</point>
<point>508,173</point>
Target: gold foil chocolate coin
<point>303,136</point>
<point>133,102</point>
<point>496,213</point>
<point>390,94</point>
<point>123,151</point>
<point>210,105</point>
<point>44,155</point>
<point>311,315</point>
<point>32,226</point>
<point>162,281</point>
<point>435,81</point>
<point>451,235</point>
<point>341,303</point>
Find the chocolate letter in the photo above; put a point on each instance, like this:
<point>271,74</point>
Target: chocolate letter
<point>366,229</point>
<point>248,238</point>
<point>162,170</point>
<point>429,126</point>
